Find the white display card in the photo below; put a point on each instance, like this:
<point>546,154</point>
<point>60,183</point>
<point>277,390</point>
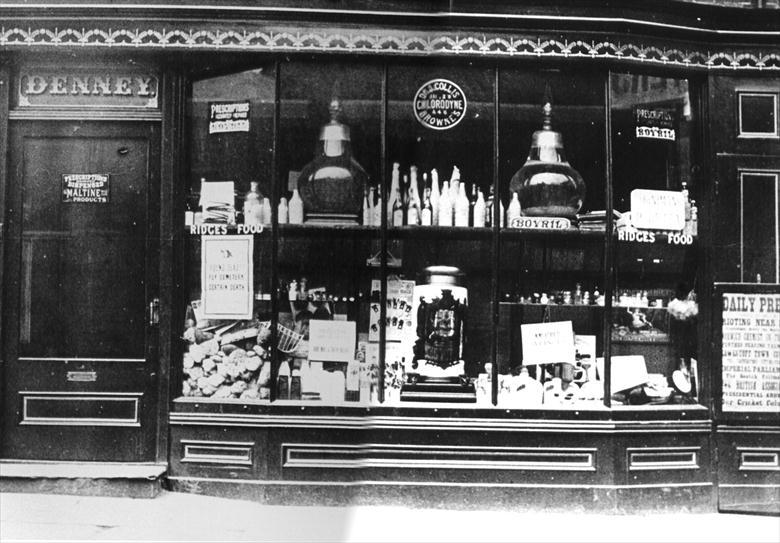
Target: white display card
<point>547,343</point>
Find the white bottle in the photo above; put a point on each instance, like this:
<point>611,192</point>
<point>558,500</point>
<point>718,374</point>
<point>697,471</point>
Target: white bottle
<point>376,218</point>
<point>513,211</point>
<point>282,212</point>
<point>426,215</point>
<point>253,211</point>
<point>296,208</point>
<point>395,191</point>
<point>462,207</point>
<point>445,206</point>
<point>501,213</point>
<point>267,213</point>
<point>435,195</point>
<point>454,183</point>
<point>367,211</point>
<point>414,193</point>
<point>479,211</point>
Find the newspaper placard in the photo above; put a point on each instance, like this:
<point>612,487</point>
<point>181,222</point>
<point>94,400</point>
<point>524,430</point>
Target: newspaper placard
<point>226,277</point>
<point>751,352</point>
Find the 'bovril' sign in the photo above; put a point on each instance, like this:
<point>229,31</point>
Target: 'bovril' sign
<point>80,88</point>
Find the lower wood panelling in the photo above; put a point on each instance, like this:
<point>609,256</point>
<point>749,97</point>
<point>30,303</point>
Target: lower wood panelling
<point>218,453</point>
<point>759,458</point>
<point>662,458</point>
<point>341,456</point>
<point>81,408</point>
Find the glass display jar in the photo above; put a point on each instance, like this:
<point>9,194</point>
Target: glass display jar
<point>547,185</point>
<point>333,184</point>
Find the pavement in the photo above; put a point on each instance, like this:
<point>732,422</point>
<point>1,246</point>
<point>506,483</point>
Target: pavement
<point>176,516</point>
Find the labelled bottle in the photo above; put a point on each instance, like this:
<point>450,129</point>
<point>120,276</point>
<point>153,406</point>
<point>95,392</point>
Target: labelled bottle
<point>478,220</point>
<point>435,195</point>
<point>513,211</point>
<point>267,214</point>
<point>454,184</point>
<point>395,191</point>
<point>426,215</point>
<point>378,210</point>
<point>367,211</point>
<point>296,208</point>
<point>412,211</point>
<point>462,207</point>
<point>489,208</point>
<point>445,206</point>
<point>398,209</point>
<point>253,205</point>
<point>282,212</point>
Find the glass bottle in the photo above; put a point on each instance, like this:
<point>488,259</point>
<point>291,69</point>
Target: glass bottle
<point>478,219</point>
<point>283,214</point>
<point>514,211</point>
<point>489,208</point>
<point>253,205</point>
<point>462,207</point>
<point>445,206</point>
<point>367,211</point>
<point>547,184</point>
<point>426,216</point>
<point>395,189</point>
<point>267,214</point>
<point>435,196</point>
<point>296,208</point>
<point>398,208</point>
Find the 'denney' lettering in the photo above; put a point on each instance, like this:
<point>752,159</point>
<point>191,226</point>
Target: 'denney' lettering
<point>107,85</point>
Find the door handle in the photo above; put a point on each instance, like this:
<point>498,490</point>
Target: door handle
<point>154,312</point>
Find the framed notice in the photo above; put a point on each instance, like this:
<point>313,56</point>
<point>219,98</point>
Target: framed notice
<point>226,277</point>
<point>332,341</point>
<point>657,209</point>
<point>750,348</point>
<point>547,343</point>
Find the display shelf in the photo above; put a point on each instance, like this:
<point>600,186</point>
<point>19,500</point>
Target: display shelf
<point>439,232</point>
<point>326,230</point>
<point>561,306</point>
<point>519,234</point>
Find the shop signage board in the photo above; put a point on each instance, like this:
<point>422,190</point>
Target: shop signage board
<point>439,104</point>
<point>657,209</point>
<point>751,352</point>
<point>75,87</point>
<point>225,117</point>
<point>226,277</point>
<point>86,188</point>
<point>548,343</point>
<point>332,341</point>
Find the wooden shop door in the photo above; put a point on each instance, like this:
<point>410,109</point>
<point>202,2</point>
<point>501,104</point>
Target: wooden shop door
<point>80,345</point>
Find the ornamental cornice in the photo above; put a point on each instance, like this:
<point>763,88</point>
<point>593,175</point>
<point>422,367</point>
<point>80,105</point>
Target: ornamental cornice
<point>387,42</point>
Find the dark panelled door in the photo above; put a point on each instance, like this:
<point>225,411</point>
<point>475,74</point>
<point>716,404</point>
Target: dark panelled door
<point>80,344</point>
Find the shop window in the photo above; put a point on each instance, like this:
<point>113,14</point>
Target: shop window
<point>758,114</point>
<point>404,212</point>
<point>759,234</point>
<point>654,316</point>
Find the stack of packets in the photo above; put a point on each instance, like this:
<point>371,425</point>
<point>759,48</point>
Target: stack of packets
<point>595,221</point>
<point>217,200</point>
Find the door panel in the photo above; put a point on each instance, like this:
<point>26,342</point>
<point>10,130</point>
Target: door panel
<point>81,363</point>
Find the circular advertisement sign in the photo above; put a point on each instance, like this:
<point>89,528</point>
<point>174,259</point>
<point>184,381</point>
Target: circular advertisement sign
<point>439,104</point>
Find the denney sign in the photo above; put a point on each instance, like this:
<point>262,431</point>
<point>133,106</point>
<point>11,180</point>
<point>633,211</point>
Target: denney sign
<point>109,88</point>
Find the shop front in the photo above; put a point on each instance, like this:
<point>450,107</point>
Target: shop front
<point>394,254</point>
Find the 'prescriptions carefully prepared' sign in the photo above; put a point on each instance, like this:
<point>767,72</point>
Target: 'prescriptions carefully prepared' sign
<point>227,117</point>
<point>86,188</point>
<point>751,352</point>
<point>226,277</point>
<point>547,343</point>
